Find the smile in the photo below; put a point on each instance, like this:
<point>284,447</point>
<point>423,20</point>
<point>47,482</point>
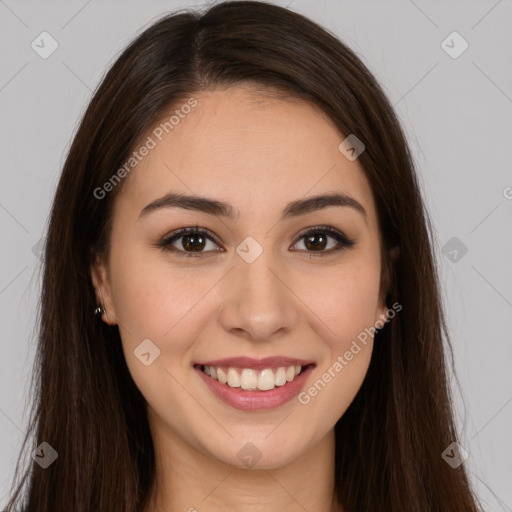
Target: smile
<point>251,389</point>
<point>249,379</point>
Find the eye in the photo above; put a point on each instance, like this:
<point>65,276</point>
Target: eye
<point>315,240</point>
<point>194,240</point>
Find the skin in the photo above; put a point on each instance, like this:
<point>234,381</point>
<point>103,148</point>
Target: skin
<point>257,153</point>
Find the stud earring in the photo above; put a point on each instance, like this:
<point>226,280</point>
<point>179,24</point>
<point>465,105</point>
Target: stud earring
<point>99,311</point>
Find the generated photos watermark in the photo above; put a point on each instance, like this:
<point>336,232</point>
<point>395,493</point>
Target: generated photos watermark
<point>150,143</point>
<point>342,360</point>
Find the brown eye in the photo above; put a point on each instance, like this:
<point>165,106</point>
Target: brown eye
<point>193,242</point>
<point>317,240</point>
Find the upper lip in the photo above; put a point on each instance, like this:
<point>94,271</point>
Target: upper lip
<point>256,364</point>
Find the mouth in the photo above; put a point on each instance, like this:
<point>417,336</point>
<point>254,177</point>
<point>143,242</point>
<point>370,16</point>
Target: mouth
<point>252,390</point>
<point>253,379</point>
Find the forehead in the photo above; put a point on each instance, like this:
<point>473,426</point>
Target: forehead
<point>248,148</point>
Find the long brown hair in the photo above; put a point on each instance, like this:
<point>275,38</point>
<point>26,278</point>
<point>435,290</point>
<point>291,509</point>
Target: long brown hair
<point>87,407</point>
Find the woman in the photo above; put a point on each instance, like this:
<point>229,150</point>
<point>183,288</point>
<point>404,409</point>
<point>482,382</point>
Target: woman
<point>240,209</point>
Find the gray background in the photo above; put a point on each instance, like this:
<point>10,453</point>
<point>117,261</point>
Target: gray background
<point>458,117</point>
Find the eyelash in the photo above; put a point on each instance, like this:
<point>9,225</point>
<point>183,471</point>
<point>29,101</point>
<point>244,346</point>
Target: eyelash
<point>343,241</point>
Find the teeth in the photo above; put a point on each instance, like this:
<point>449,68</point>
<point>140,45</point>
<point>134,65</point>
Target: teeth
<point>266,380</point>
<point>233,378</point>
<point>281,377</point>
<point>250,379</point>
<point>223,378</point>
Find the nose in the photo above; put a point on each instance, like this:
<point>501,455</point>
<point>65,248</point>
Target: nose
<point>258,302</point>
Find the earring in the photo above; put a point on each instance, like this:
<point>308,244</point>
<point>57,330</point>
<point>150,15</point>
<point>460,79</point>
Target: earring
<point>99,311</point>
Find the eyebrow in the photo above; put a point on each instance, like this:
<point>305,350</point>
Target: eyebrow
<point>223,209</point>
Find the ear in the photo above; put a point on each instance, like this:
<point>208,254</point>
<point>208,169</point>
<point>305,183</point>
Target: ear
<point>101,283</point>
<point>385,283</point>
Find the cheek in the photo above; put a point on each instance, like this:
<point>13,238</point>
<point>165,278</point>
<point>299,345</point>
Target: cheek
<point>155,302</point>
<point>347,318</point>
<point>150,296</point>
<point>345,299</point>
<point>345,303</point>
<point>163,303</point>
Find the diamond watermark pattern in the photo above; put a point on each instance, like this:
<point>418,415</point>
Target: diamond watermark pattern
<point>249,454</point>
<point>351,147</point>
<point>249,249</point>
<point>44,455</point>
<point>454,45</point>
<point>37,249</point>
<point>147,352</point>
<point>455,455</point>
<point>454,249</point>
<point>44,45</point>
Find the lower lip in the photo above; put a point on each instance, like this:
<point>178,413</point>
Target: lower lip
<point>256,400</point>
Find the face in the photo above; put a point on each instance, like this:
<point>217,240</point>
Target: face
<point>300,282</point>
